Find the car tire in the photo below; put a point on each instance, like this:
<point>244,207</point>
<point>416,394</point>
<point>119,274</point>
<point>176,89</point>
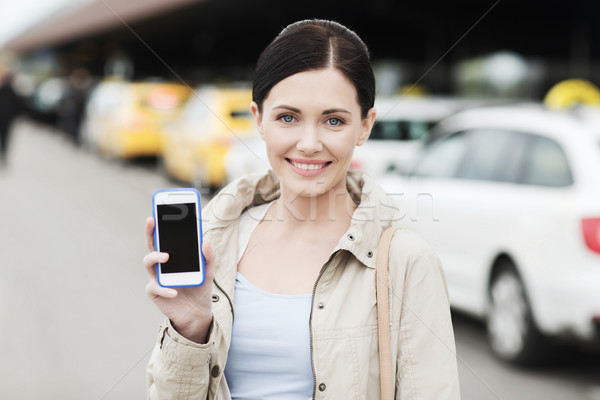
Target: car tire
<point>512,333</point>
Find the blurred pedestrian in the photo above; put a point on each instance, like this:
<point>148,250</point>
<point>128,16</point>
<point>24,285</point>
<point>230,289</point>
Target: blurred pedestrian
<point>292,255</point>
<point>9,108</point>
<point>73,104</point>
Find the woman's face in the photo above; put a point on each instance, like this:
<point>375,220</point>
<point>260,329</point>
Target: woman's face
<point>311,122</point>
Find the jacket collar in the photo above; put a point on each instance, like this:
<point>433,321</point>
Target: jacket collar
<point>249,191</point>
<point>375,210</point>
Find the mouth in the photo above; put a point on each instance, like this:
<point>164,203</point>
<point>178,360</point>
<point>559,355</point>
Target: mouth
<point>308,167</point>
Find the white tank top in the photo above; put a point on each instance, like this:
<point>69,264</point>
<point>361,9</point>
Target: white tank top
<point>269,356</point>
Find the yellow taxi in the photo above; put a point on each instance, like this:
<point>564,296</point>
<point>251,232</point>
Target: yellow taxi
<point>125,119</point>
<point>196,144</point>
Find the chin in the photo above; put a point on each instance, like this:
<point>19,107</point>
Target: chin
<point>315,188</point>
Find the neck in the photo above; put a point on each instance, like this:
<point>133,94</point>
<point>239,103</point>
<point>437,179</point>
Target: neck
<point>296,210</point>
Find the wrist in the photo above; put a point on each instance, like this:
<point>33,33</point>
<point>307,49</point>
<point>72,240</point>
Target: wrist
<point>196,330</point>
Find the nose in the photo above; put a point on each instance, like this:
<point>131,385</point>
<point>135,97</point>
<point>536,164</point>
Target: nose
<point>309,142</point>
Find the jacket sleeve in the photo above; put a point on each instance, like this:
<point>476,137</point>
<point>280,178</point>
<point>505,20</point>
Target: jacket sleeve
<point>178,367</point>
<point>426,363</point>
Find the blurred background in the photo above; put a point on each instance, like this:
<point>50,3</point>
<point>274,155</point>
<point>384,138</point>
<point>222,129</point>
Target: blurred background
<point>487,136</point>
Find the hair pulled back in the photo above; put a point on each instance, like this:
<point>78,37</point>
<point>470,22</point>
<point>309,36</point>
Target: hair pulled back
<point>315,44</point>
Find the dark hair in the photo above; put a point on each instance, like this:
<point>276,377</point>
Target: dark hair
<point>315,44</point>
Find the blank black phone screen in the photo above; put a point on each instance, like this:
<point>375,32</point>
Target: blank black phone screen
<point>178,236</point>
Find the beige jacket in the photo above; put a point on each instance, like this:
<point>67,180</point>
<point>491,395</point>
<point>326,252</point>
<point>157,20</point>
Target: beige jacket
<point>343,319</point>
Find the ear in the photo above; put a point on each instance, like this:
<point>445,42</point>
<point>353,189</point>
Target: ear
<point>367,125</point>
<point>257,119</point>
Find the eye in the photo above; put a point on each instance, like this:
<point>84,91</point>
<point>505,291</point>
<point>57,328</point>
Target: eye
<point>334,121</point>
<point>288,119</point>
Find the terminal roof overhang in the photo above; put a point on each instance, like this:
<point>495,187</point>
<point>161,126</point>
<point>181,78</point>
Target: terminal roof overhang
<point>89,19</point>
<point>408,30</point>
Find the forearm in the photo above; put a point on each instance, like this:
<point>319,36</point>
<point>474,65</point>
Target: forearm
<point>178,367</point>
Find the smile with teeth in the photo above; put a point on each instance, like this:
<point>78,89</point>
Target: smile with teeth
<point>309,167</point>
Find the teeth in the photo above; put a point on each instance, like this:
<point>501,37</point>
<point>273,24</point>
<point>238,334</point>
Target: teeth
<point>307,166</point>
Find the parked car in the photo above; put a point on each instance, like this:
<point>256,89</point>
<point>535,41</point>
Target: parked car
<point>125,119</point>
<point>510,199</point>
<point>196,144</point>
<point>44,105</point>
<point>247,155</point>
<point>401,128</point>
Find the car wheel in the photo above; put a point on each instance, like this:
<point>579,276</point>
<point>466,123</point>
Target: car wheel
<point>512,333</point>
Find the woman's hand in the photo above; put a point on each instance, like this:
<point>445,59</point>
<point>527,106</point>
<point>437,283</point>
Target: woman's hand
<point>188,308</point>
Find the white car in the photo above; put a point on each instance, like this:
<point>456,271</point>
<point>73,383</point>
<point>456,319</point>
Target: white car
<point>510,199</point>
<point>246,155</point>
<point>402,125</point>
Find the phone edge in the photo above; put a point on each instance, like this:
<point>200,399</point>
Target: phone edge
<point>200,234</point>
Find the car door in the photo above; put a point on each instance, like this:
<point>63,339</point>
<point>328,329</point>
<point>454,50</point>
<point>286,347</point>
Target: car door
<point>462,203</point>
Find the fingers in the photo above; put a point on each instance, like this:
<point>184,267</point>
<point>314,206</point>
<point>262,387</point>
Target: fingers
<point>151,259</point>
<point>154,290</point>
<point>150,233</point>
<point>208,254</point>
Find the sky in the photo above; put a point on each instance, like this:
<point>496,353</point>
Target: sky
<point>18,15</point>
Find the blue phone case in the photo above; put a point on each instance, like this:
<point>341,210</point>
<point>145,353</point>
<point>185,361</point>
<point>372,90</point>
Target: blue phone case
<point>199,216</point>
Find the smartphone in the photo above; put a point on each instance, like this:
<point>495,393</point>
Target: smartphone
<point>178,231</point>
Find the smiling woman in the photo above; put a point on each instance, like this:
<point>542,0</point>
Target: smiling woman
<point>292,254</point>
<point>306,137</point>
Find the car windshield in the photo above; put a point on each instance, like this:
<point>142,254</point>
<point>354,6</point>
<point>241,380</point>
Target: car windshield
<point>241,114</point>
<point>443,157</point>
<point>400,130</point>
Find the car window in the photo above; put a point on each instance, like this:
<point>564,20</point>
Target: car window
<point>546,164</point>
<point>418,129</point>
<point>243,113</point>
<point>400,130</point>
<point>493,155</point>
<point>442,158</point>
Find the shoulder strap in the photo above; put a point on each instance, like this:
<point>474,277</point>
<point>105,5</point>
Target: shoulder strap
<point>383,315</point>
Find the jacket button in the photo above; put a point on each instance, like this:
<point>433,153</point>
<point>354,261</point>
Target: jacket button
<point>214,372</point>
<point>215,298</point>
<point>369,254</point>
<point>350,236</point>
<point>322,387</point>
<point>321,306</point>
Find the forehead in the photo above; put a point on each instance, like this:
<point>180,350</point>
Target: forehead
<point>316,88</point>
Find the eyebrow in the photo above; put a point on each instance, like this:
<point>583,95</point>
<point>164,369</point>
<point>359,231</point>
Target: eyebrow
<point>290,108</point>
<point>325,112</point>
<point>336,110</point>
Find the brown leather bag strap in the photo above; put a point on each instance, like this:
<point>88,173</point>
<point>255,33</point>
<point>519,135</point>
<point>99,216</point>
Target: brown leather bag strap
<point>383,316</point>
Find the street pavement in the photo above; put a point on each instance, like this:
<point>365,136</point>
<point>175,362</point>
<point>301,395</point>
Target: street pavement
<point>75,321</point>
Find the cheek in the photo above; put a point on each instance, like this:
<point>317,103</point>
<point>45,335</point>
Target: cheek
<point>342,147</point>
<point>277,142</point>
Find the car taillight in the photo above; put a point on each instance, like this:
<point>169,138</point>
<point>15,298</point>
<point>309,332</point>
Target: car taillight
<point>591,233</point>
<point>163,98</point>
